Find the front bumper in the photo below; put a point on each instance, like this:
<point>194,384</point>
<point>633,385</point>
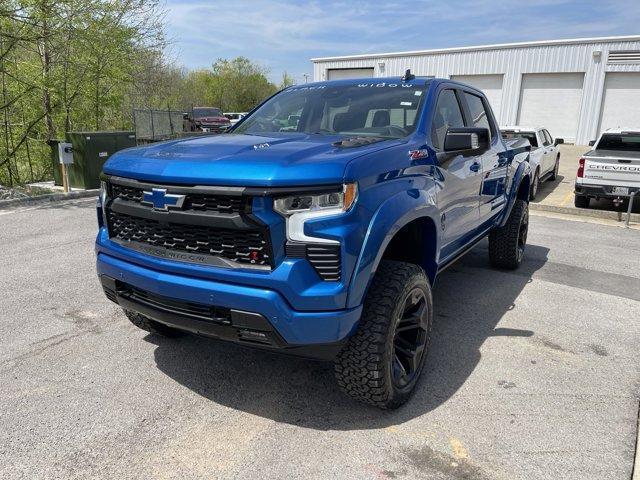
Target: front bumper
<point>214,127</point>
<point>317,334</point>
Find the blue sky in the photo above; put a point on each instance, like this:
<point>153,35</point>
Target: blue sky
<point>284,35</point>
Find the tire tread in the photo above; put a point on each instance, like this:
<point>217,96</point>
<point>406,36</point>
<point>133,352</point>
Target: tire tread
<point>503,241</point>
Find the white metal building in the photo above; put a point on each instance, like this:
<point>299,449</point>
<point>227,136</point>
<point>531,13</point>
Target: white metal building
<point>576,88</point>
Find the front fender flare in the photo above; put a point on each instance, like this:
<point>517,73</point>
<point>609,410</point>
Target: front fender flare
<point>396,212</point>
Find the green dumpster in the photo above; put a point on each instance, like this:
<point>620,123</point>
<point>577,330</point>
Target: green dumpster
<point>90,151</point>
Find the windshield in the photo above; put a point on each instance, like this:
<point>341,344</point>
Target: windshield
<point>620,141</point>
<point>387,110</point>
<point>531,136</point>
<point>206,112</point>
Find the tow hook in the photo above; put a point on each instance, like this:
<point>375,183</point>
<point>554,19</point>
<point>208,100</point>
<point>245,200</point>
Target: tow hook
<point>618,201</point>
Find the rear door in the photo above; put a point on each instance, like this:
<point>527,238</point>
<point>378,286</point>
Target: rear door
<point>494,167</point>
<point>615,162</point>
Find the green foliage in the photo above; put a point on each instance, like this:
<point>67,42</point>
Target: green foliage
<point>85,64</point>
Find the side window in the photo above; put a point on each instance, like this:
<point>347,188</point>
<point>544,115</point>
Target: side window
<point>549,137</point>
<point>479,116</point>
<point>447,115</point>
<point>546,141</point>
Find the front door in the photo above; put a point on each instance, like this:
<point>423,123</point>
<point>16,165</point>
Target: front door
<point>461,178</point>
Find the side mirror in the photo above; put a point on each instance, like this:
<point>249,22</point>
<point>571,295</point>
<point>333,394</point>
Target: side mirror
<point>467,139</point>
<point>558,141</point>
<point>592,143</point>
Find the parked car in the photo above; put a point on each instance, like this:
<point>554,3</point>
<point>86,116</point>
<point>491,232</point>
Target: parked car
<point>323,240</point>
<point>544,158</point>
<point>235,117</point>
<point>208,119</point>
<point>612,169</point>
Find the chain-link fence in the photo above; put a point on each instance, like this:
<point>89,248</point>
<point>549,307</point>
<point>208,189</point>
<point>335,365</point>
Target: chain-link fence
<point>156,125</point>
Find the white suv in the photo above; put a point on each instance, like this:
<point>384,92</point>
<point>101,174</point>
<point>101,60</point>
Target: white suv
<point>544,157</point>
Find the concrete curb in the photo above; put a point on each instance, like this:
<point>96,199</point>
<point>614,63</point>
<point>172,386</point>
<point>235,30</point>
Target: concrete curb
<point>51,198</point>
<point>584,212</point>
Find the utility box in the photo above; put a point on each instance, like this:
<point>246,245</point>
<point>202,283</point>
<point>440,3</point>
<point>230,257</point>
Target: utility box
<point>90,151</point>
<point>65,153</point>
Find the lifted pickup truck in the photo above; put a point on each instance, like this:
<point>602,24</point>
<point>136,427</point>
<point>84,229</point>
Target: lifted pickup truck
<point>611,170</point>
<point>322,238</point>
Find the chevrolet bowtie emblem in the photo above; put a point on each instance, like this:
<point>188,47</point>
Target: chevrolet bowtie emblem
<point>159,199</point>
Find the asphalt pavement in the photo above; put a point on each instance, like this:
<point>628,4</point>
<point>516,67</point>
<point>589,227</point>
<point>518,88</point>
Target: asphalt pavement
<point>533,374</point>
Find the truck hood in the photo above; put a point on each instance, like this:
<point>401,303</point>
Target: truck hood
<point>278,159</point>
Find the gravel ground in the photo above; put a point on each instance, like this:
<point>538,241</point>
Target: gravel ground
<point>533,374</point>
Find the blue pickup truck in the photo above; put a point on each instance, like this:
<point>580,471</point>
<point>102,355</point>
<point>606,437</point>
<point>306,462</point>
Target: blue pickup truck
<point>318,225</point>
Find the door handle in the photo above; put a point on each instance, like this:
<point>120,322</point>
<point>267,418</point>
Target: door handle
<point>475,166</point>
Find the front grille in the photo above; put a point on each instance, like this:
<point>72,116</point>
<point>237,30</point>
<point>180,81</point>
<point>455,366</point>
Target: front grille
<point>242,246</point>
<point>218,203</point>
<point>124,192</point>
<point>215,128</point>
<point>193,201</point>
<point>325,259</point>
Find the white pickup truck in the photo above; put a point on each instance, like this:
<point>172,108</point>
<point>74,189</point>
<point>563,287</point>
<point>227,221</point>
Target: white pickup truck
<point>544,157</point>
<point>611,170</point>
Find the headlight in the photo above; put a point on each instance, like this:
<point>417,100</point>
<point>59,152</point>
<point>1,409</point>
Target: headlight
<point>297,209</point>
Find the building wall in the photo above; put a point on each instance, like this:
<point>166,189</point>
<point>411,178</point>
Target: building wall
<point>511,62</point>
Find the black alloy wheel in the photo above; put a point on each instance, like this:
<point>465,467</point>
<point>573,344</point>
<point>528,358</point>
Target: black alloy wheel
<point>410,339</point>
<point>522,234</point>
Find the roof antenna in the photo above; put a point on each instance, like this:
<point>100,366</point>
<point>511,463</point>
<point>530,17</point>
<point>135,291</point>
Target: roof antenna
<point>407,76</point>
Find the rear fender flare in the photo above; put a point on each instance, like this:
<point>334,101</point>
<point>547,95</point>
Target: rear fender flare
<point>389,218</point>
<point>522,174</point>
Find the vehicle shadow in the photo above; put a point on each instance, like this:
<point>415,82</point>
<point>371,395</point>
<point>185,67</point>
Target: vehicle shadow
<point>470,299</point>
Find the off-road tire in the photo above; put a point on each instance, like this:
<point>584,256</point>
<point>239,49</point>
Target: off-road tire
<point>535,186</point>
<point>556,167</point>
<point>363,369</point>
<point>506,244</point>
<point>581,201</point>
<point>151,326</point>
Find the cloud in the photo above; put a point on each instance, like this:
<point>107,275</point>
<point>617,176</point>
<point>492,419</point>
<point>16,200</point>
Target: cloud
<point>283,35</point>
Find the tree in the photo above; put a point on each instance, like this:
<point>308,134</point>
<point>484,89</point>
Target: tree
<point>287,81</point>
<point>85,64</point>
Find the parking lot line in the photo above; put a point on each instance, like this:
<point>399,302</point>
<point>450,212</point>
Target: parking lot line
<point>566,199</point>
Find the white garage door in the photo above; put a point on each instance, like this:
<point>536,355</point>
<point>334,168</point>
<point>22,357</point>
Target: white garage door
<point>491,85</point>
<point>340,73</point>
<point>552,100</point>
<point>621,101</point>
